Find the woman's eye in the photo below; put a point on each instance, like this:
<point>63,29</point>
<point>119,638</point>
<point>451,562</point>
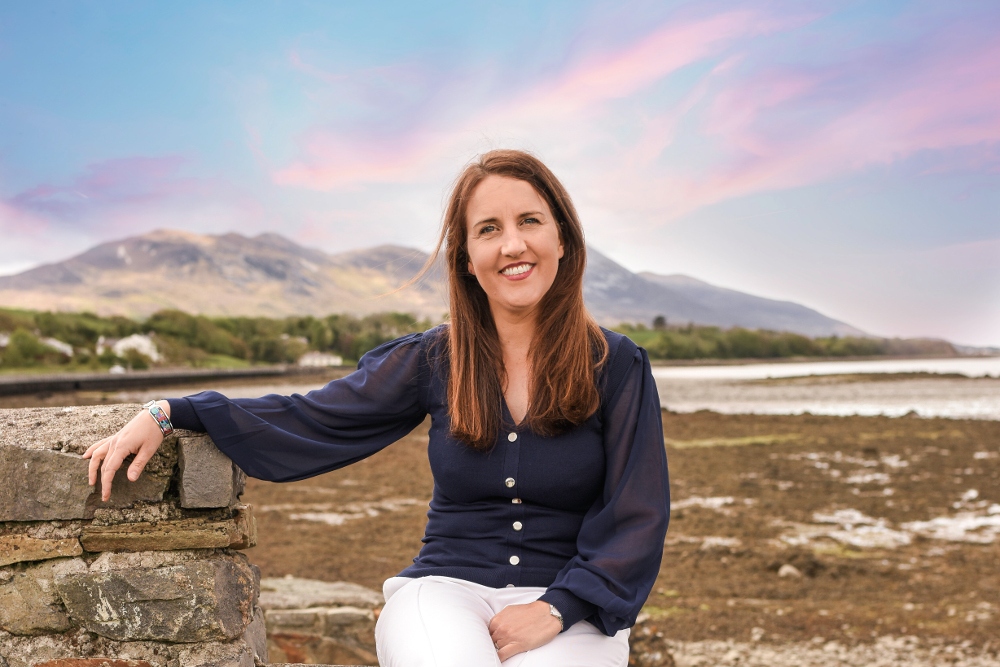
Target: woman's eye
<point>487,229</point>
<point>531,221</point>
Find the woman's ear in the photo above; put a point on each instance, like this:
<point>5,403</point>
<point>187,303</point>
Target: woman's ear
<point>472,269</point>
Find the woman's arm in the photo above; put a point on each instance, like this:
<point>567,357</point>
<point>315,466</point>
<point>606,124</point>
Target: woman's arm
<point>620,544</point>
<point>284,438</point>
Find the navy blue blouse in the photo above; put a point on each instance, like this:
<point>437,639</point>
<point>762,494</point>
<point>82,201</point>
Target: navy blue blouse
<point>583,514</point>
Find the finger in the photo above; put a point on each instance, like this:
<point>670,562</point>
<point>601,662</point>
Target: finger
<point>111,465</point>
<point>142,457</point>
<point>97,453</point>
<point>509,651</point>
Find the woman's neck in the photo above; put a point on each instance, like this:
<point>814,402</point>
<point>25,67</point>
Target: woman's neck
<point>516,335</point>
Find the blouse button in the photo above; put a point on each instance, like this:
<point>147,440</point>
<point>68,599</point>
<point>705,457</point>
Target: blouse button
<point>512,436</point>
<point>510,482</point>
<point>516,501</point>
<point>514,560</point>
<point>510,585</point>
<point>518,525</point>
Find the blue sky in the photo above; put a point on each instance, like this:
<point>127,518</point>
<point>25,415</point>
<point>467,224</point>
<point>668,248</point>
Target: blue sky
<point>845,155</point>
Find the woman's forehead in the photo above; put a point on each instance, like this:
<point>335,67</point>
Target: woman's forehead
<point>503,195</point>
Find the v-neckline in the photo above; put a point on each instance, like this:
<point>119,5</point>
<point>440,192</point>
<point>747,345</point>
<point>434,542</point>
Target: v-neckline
<point>508,415</point>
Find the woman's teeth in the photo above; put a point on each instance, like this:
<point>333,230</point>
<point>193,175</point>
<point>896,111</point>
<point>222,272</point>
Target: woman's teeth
<point>517,270</point>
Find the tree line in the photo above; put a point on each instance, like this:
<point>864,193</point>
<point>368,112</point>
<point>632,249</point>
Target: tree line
<point>193,340</point>
<point>690,341</point>
<point>200,341</point>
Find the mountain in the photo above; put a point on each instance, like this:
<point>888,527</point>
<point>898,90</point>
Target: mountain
<point>226,275</point>
<point>729,308</point>
<point>270,275</point>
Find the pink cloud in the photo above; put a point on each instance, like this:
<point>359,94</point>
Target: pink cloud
<point>784,129</point>
<point>112,182</point>
<point>332,159</point>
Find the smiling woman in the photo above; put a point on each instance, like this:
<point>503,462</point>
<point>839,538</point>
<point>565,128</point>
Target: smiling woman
<point>551,502</point>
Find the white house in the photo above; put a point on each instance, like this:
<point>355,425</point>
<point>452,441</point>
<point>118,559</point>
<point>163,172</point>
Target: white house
<point>320,359</point>
<point>141,343</point>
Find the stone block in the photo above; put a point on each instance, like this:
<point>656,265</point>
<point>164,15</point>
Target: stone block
<point>41,484</point>
<point>322,635</point>
<point>149,488</point>
<point>93,662</point>
<point>45,476</point>
<point>238,532</point>
<point>20,548</point>
<point>29,602</point>
<point>208,478</point>
<point>177,596</point>
<point>294,593</point>
<point>233,654</point>
<point>323,621</point>
<point>255,635</point>
<point>316,650</point>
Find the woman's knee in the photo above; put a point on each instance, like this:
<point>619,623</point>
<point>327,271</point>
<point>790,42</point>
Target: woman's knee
<point>430,623</point>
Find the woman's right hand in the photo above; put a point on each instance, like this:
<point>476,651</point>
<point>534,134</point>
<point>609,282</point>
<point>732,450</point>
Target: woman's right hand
<point>141,436</point>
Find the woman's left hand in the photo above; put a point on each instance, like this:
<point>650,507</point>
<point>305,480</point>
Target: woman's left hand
<point>522,627</point>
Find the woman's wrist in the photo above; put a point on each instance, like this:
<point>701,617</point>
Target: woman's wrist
<point>160,412</point>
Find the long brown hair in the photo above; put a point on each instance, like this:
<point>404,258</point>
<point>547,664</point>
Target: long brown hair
<point>568,346</point>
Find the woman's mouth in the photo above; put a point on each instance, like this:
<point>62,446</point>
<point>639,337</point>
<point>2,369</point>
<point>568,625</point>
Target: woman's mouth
<point>517,270</point>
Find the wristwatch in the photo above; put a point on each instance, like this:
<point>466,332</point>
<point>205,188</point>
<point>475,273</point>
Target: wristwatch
<point>555,612</point>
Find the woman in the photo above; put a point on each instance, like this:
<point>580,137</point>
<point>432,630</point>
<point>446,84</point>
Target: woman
<point>550,503</point>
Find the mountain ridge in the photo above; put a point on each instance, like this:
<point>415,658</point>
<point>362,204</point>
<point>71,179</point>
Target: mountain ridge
<point>269,274</point>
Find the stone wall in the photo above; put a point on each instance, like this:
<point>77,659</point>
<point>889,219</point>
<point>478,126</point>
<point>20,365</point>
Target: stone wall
<point>153,578</point>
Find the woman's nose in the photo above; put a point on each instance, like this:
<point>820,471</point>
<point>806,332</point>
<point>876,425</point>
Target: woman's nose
<point>513,242</point>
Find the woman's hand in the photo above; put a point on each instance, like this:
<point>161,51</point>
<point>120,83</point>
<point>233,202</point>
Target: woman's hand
<point>141,436</point>
<point>522,627</point>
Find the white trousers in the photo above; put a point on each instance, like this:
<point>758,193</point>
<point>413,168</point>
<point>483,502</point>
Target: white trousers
<point>444,622</point>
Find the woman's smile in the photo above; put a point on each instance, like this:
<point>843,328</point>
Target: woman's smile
<point>518,271</point>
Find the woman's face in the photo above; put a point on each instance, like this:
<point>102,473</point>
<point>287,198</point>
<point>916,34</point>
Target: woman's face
<point>513,243</point>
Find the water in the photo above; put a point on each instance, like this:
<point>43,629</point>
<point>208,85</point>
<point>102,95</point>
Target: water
<point>969,366</point>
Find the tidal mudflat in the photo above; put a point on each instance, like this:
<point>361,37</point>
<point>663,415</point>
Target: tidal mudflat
<point>791,536</point>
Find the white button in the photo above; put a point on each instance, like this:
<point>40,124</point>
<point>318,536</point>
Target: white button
<point>510,585</point>
<point>510,482</point>
<point>517,525</point>
<point>516,501</point>
<point>512,436</point>
<point>514,560</point>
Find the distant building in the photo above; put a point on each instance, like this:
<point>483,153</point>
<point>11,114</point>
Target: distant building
<point>320,359</point>
<point>141,343</point>
<point>58,346</point>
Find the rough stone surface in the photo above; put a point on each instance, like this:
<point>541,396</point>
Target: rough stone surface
<point>233,654</point>
<point>185,596</point>
<point>294,593</point>
<point>313,650</point>
<point>93,662</point>
<point>208,478</point>
<point>69,429</point>
<point>317,622</point>
<point>255,636</point>
<point>82,645</point>
<point>20,548</point>
<point>238,532</point>
<point>149,488</point>
<point>42,484</point>
<point>45,476</point>
<point>29,603</point>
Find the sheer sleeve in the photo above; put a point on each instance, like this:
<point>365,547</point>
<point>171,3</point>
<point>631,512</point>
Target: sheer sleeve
<point>620,544</point>
<point>287,438</point>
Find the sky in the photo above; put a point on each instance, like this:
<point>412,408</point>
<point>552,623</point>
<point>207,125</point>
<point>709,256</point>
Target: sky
<point>844,155</point>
